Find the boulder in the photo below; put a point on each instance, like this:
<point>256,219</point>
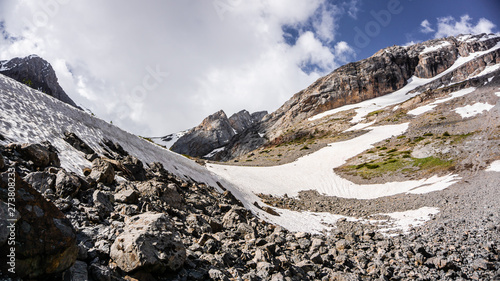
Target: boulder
<point>103,202</point>
<point>41,181</point>
<point>128,195</point>
<point>41,155</point>
<point>102,172</point>
<point>67,184</point>
<point>77,143</point>
<point>45,239</point>
<point>133,168</point>
<point>149,242</point>
<point>166,193</point>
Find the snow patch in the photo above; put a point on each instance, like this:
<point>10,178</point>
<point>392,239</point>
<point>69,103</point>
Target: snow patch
<point>215,151</point>
<point>435,47</point>
<point>473,110</point>
<point>494,166</point>
<point>487,70</point>
<point>316,172</point>
<point>406,220</point>
<point>428,107</point>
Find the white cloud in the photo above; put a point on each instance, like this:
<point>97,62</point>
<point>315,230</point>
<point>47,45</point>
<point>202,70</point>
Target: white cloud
<point>426,27</point>
<point>448,26</point>
<point>111,56</point>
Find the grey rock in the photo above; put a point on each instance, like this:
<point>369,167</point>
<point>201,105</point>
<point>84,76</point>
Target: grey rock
<point>103,202</point>
<point>217,275</point>
<point>102,171</point>
<point>78,272</point>
<point>78,143</point>
<point>67,184</point>
<point>129,196</point>
<point>41,181</point>
<point>42,155</point>
<point>149,241</point>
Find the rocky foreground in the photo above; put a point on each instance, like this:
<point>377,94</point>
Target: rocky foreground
<point>127,221</point>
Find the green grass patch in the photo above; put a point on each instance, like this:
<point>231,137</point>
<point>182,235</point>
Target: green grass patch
<point>376,112</point>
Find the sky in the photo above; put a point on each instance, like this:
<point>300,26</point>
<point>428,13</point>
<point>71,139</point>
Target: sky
<point>158,67</point>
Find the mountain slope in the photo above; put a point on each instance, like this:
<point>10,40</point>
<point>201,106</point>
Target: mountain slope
<point>37,73</point>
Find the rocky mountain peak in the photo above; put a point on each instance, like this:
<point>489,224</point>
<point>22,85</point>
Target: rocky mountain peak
<point>36,73</point>
<point>215,131</point>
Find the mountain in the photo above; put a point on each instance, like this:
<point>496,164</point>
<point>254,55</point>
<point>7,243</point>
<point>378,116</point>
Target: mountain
<point>216,131</point>
<point>37,73</point>
<point>400,186</point>
<point>385,72</point>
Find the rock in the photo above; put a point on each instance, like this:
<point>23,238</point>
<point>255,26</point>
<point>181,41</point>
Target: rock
<point>217,275</point>
<point>67,184</point>
<point>2,162</point>
<point>233,217</point>
<point>78,272</point>
<point>149,241</point>
<point>77,143</point>
<point>166,193</point>
<point>481,264</point>
<point>316,258</point>
<point>246,231</point>
<point>102,172</point>
<point>41,181</point>
<point>133,168</point>
<point>129,196</point>
<point>45,239</point>
<point>103,202</point>
<point>36,73</point>
<point>41,155</point>
<point>100,273</point>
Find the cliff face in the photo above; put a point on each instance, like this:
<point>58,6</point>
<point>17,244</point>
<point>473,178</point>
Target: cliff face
<point>386,71</point>
<point>38,74</point>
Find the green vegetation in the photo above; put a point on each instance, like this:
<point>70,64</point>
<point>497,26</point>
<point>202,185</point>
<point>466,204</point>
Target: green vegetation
<point>376,112</point>
<point>403,164</point>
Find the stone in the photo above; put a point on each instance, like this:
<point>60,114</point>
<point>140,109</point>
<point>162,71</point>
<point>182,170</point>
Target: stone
<point>67,184</point>
<point>149,241</point>
<point>103,202</point>
<point>217,275</point>
<point>166,193</point>
<point>133,168</point>
<point>78,272</point>
<point>41,181</point>
<point>41,155</point>
<point>129,196</point>
<point>78,143</point>
<point>233,217</point>
<point>102,172</point>
<point>45,238</point>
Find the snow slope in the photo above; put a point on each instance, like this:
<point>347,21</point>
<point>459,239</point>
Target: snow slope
<point>29,116</point>
<point>315,171</point>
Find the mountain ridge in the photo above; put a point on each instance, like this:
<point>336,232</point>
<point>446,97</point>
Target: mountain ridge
<point>36,73</point>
